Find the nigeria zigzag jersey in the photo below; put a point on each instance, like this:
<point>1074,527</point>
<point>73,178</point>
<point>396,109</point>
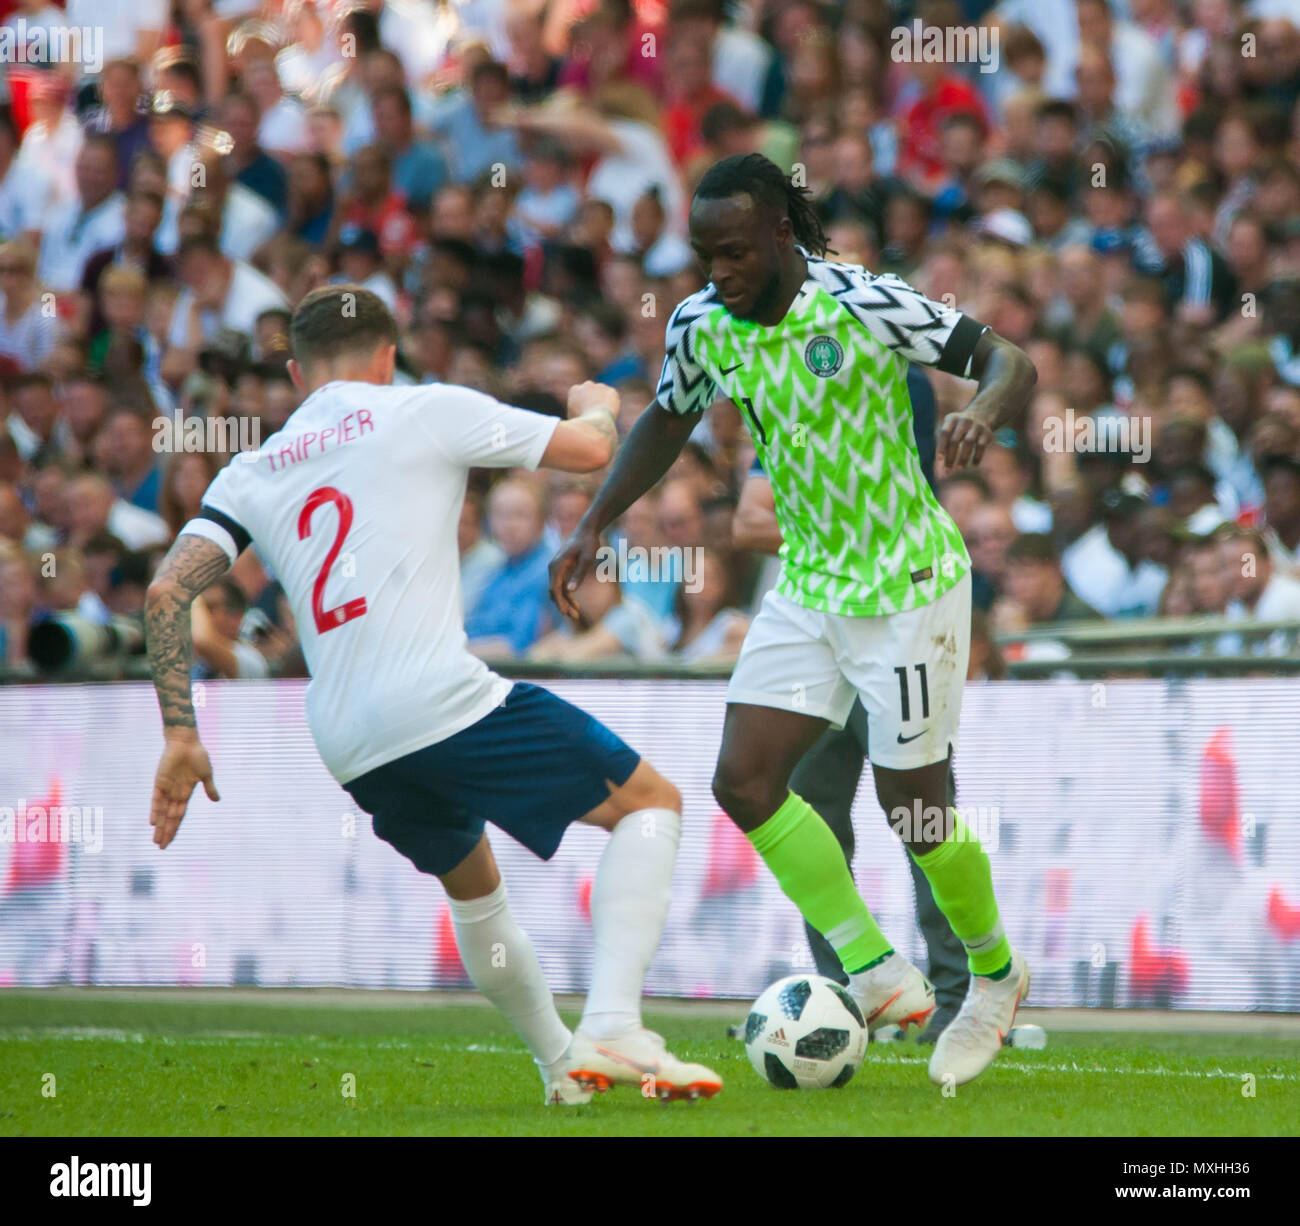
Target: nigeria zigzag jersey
<point>824,393</point>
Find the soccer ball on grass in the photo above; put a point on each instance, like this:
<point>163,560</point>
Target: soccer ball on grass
<point>805,1033</point>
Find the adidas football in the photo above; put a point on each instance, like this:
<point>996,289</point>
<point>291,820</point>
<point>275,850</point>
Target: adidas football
<point>806,1033</point>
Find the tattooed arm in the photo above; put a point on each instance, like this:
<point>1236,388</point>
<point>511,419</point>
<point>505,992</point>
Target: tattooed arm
<point>191,565</point>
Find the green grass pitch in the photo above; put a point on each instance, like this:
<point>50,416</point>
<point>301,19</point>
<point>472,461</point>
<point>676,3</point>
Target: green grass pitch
<point>174,1065</point>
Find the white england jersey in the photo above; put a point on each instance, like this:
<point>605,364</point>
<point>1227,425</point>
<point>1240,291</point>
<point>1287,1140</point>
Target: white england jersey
<point>354,507</point>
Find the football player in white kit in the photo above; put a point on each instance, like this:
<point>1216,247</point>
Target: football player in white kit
<point>354,507</point>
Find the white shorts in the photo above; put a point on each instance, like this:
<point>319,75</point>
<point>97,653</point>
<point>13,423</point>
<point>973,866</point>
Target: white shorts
<point>908,668</point>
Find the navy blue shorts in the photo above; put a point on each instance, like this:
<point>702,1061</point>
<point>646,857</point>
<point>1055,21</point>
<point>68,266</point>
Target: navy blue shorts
<point>531,766</point>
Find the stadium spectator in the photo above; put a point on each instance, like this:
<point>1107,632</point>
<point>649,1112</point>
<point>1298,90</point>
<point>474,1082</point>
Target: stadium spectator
<point>243,220</point>
<point>360,262</point>
<point>34,417</point>
<point>1006,471</point>
<point>1198,284</point>
<point>609,46</point>
<point>1259,590</point>
<point>468,123</point>
<point>1107,568</point>
<point>513,609</point>
<point>1282,507</point>
<point>1143,85</point>
<point>1035,590</point>
<point>992,532</point>
<point>247,162</point>
<point>137,249</point>
<point>50,145</point>
<point>185,478</point>
<point>92,508</point>
<point>706,627</point>
<point>120,113</point>
<point>220,650</point>
<point>15,521</point>
<point>960,494</point>
<point>218,293</point>
<point>18,576</point>
<point>942,93</point>
<point>311,207</point>
<point>611,625</point>
<point>28,328</point>
<point>480,558</point>
<point>130,461</point>
<point>282,126</point>
<point>93,219</point>
<point>418,167</point>
<point>374,204</point>
<point>1211,583</point>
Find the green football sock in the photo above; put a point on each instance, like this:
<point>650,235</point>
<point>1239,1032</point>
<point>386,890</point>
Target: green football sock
<point>799,848</point>
<point>959,874</point>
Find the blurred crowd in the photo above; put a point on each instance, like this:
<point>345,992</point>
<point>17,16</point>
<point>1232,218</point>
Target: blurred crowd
<point>1114,185</point>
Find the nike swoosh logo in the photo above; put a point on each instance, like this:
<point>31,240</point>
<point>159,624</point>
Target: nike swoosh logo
<point>729,369</point>
<point>875,1013</point>
<point>636,1064</point>
<point>902,740</point>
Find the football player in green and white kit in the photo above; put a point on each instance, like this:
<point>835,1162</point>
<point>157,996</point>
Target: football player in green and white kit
<point>873,600</point>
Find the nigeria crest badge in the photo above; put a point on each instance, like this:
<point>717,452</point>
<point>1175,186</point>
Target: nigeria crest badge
<point>824,355</point>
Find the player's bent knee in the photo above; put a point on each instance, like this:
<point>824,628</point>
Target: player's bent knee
<point>748,798</point>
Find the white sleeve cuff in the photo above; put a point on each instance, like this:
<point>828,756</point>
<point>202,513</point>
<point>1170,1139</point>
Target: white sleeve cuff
<point>213,532</point>
<point>541,443</point>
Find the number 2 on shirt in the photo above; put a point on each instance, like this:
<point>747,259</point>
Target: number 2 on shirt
<point>329,619</point>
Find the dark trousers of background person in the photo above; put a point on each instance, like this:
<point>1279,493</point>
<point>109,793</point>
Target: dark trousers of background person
<point>827,778</point>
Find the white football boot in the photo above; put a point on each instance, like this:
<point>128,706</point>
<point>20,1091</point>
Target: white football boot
<point>968,1046</point>
<point>638,1059</point>
<point>893,993</point>
<point>563,1091</point>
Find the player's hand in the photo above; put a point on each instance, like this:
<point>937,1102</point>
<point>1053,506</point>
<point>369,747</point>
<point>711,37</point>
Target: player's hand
<point>184,763</point>
<point>963,438</point>
<point>583,397</point>
<point>569,567</point>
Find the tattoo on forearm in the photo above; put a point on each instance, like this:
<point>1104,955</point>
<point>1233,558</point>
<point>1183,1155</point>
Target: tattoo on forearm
<point>190,566</point>
<point>603,420</point>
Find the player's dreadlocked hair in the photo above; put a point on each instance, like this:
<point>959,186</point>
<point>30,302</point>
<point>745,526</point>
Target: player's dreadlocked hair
<point>761,178</point>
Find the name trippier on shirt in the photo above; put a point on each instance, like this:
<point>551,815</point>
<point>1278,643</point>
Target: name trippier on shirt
<point>299,447</point>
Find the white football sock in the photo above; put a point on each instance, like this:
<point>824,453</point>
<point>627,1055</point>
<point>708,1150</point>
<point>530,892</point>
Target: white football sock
<point>629,903</point>
<point>500,959</point>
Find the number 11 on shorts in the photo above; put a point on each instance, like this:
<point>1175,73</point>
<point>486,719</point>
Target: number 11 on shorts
<point>905,698</point>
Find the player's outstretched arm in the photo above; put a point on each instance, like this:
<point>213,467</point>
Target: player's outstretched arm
<point>1006,379</point>
<point>190,566</point>
<point>649,450</point>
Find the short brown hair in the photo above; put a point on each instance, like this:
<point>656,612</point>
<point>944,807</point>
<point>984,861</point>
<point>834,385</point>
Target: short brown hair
<point>340,319</point>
